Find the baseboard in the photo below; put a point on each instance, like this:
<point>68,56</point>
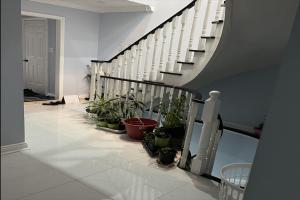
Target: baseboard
<point>13,148</point>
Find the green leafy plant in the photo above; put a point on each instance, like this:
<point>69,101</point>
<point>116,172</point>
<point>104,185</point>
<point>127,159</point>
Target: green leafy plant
<point>131,107</point>
<point>173,117</point>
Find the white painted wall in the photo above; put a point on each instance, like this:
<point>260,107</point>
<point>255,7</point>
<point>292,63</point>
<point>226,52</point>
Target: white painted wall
<point>119,30</point>
<point>12,111</point>
<point>246,96</point>
<point>275,174</point>
<point>81,42</point>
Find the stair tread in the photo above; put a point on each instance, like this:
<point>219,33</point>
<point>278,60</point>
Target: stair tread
<point>197,50</point>
<point>185,62</point>
<point>171,73</point>
<point>208,37</point>
<point>218,22</point>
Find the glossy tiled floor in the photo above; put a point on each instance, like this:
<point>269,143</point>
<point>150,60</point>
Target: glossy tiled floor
<point>69,159</point>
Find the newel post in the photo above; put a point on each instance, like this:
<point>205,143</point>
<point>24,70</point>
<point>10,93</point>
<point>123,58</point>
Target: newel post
<point>209,118</point>
<point>93,81</point>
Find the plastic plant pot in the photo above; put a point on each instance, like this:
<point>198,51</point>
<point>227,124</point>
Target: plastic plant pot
<point>167,155</point>
<point>135,127</point>
<point>102,124</point>
<point>162,141</point>
<point>113,126</point>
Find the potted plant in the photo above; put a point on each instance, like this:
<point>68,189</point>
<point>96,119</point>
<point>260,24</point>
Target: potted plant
<point>167,155</point>
<point>149,143</point>
<point>113,120</point>
<point>162,138</point>
<point>173,121</point>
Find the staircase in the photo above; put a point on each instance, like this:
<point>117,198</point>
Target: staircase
<point>174,52</point>
<point>156,68</point>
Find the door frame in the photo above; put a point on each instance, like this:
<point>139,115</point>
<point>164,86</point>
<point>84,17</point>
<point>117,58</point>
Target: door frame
<point>46,47</point>
<point>59,47</point>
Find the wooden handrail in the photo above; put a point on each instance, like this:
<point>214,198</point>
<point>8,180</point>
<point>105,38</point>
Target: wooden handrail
<point>196,93</point>
<point>150,32</point>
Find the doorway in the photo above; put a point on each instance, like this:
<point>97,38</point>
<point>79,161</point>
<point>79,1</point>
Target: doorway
<point>43,55</point>
<point>35,54</point>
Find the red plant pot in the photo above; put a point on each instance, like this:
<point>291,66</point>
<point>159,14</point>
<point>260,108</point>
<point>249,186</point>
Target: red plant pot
<point>135,127</point>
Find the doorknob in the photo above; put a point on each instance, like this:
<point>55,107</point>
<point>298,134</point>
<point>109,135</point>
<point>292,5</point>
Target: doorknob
<point>25,60</point>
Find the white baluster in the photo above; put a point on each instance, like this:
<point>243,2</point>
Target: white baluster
<point>98,85</point>
<point>152,94</point>
<point>189,54</point>
<point>132,60</point>
<point>170,64</point>
<point>119,83</point>
<point>212,150</point>
<point>105,88</point>
<point>180,43</point>
<point>162,53</point>
<point>140,59</point>
<point>152,72</point>
<point>144,92</point>
<point>147,65</point>
<point>128,91</point>
<point>188,136</point>
<point>209,118</point>
<point>170,98</point>
<point>126,68</point>
<point>179,93</point>
<point>161,96</point>
<point>93,81</point>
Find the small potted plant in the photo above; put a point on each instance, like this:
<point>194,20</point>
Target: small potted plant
<point>149,142</point>
<point>113,120</point>
<point>167,155</point>
<point>162,138</point>
<point>102,122</point>
<point>173,121</point>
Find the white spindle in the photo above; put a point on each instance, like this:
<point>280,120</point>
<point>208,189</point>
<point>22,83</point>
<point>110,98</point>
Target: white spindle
<point>93,81</point>
<point>170,98</point>
<point>140,59</point>
<point>170,64</point>
<point>147,64</point>
<point>161,63</point>
<point>180,43</point>
<point>126,68</point>
<point>161,96</point>
<point>214,141</point>
<point>209,118</point>
<point>193,31</point>
<point>152,72</point>
<point>132,60</point>
<point>188,136</point>
<point>152,94</point>
<point>144,92</point>
<point>98,85</point>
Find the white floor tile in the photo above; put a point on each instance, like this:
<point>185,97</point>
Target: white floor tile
<point>69,191</point>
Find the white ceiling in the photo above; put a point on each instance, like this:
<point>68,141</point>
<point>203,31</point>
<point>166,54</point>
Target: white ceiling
<point>103,6</point>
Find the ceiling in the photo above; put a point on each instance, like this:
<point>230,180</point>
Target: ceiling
<point>103,6</point>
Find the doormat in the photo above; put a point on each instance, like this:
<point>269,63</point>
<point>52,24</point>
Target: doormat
<point>30,95</point>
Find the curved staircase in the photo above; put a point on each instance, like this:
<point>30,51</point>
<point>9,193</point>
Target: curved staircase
<point>174,52</point>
